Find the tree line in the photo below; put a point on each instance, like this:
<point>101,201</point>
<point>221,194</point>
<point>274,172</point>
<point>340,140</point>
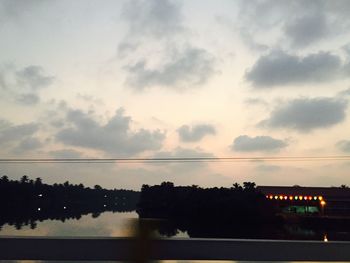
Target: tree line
<point>237,211</point>
<point>25,201</point>
<point>237,203</point>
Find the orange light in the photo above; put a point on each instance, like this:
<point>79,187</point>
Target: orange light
<point>271,196</point>
<point>323,203</point>
<point>290,197</point>
<point>320,198</point>
<point>310,197</point>
<point>281,197</point>
<point>300,197</point>
<point>325,239</point>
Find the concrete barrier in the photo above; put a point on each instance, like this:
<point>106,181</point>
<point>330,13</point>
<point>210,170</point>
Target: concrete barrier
<point>60,248</point>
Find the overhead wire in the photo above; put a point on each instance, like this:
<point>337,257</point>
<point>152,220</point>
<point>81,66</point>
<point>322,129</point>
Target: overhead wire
<point>176,159</point>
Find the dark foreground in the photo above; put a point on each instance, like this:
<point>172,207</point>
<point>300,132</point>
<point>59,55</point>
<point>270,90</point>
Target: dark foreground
<point>140,249</point>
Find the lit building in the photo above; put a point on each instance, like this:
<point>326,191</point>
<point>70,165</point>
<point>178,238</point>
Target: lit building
<point>309,200</point>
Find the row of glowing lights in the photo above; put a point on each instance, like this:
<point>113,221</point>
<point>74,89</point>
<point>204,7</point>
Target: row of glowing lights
<point>297,197</point>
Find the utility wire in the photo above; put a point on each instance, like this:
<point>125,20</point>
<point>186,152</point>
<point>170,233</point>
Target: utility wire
<point>177,159</point>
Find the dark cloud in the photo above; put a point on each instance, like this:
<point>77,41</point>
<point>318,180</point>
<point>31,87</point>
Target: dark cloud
<point>114,137</point>
<point>302,22</point>
<point>307,29</point>
<point>28,144</point>
<point>17,132</point>
<point>23,85</point>
<point>158,18</point>
<point>306,114</point>
<point>33,77</point>
<point>28,99</point>
<point>19,139</point>
<point>196,132</point>
<point>344,146</point>
<point>191,67</point>
<point>279,68</point>
<point>245,143</point>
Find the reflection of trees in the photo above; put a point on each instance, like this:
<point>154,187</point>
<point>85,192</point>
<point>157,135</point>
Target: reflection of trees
<point>24,202</point>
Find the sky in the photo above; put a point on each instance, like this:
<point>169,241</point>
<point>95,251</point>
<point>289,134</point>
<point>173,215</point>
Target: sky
<point>167,78</point>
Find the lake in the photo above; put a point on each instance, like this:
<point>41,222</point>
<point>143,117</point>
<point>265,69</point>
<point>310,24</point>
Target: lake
<point>111,224</point>
<point>122,224</point>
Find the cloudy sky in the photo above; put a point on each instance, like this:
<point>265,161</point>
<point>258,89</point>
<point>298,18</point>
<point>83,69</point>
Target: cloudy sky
<point>166,78</point>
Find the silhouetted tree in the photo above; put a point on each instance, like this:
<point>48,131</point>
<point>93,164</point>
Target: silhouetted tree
<point>249,186</point>
<point>38,181</point>
<point>5,178</point>
<point>97,187</point>
<point>24,179</point>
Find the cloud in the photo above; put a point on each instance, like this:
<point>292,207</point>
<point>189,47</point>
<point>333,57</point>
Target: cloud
<point>113,137</point>
<point>10,10</point>
<point>307,29</point>
<point>256,101</point>
<point>245,143</point>
<point>17,132</point>
<point>33,77</point>
<point>165,58</point>
<point>188,68</point>
<point>344,146</point>
<point>295,24</point>
<point>345,92</point>
<point>18,139</point>
<point>28,99</point>
<point>23,85</point>
<point>279,68</point>
<point>196,132</point>
<point>158,18</point>
<point>65,153</point>
<point>306,114</point>
<point>28,144</point>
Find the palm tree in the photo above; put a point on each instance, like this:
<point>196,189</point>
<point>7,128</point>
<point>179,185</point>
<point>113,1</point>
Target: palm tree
<point>249,186</point>
<point>38,181</point>
<point>5,178</point>
<point>237,186</point>
<point>24,179</point>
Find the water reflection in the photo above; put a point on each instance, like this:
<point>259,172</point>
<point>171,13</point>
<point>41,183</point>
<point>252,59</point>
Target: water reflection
<point>104,224</point>
<point>121,224</point>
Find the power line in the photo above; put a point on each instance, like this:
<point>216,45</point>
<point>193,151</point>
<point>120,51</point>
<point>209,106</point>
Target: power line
<point>177,159</point>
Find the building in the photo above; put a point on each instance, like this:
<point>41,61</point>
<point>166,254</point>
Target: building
<point>309,200</point>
